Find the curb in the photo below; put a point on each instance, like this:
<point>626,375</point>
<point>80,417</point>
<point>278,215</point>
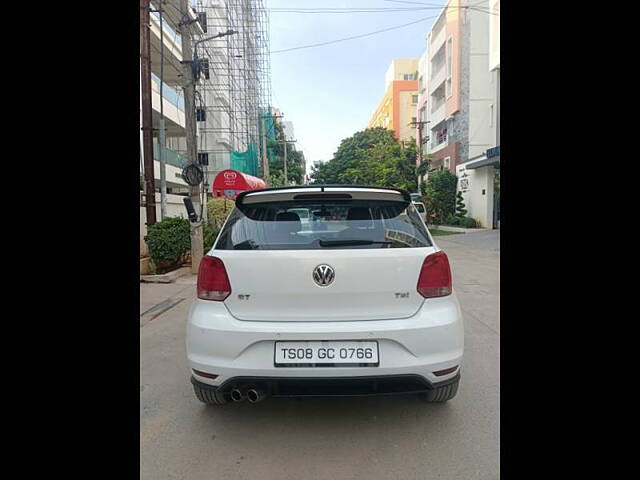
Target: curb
<point>166,277</point>
<point>457,229</point>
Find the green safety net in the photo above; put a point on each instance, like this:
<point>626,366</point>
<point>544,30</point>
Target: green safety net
<point>247,161</point>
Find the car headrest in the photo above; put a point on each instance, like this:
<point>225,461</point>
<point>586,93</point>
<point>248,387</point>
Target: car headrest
<point>287,217</point>
<point>292,225</point>
<point>359,213</point>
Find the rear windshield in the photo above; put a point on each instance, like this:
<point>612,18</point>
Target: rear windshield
<point>304,225</point>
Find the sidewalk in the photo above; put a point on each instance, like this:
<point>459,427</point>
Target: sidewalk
<point>157,298</point>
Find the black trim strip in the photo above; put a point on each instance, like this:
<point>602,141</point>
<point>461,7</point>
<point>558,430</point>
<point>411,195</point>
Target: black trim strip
<point>229,383</point>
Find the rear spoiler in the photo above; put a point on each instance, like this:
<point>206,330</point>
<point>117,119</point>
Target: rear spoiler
<point>317,192</point>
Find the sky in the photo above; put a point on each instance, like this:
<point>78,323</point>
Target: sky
<point>330,92</point>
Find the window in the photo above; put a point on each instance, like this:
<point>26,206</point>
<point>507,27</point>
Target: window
<point>447,162</point>
<point>413,120</point>
<point>414,98</point>
<point>311,225</point>
<point>203,158</point>
<point>204,67</point>
<point>440,137</point>
<point>202,18</point>
<point>201,115</point>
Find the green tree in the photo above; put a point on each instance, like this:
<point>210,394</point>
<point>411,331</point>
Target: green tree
<point>461,210</point>
<point>370,157</point>
<point>440,193</point>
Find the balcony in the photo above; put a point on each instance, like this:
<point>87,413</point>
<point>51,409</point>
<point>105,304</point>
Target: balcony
<point>438,34</point>
<point>437,79</point>
<point>437,114</point>
<point>170,157</point>
<point>170,94</point>
<point>172,106</point>
<point>171,48</point>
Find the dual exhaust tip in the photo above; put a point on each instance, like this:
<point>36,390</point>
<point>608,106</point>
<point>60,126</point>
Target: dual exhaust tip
<point>253,395</point>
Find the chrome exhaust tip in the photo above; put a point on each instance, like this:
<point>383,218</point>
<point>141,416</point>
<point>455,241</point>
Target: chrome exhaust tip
<point>254,395</point>
<point>237,395</point>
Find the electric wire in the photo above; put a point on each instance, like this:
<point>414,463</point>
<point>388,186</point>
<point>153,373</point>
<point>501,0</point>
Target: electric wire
<point>354,36</point>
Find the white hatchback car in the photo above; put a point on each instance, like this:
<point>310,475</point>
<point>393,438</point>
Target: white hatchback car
<point>358,303</point>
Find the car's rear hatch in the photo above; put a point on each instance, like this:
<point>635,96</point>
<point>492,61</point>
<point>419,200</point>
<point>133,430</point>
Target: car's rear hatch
<point>275,281</point>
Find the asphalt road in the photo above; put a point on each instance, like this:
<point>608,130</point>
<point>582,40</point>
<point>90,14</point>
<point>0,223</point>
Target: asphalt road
<point>366,438</point>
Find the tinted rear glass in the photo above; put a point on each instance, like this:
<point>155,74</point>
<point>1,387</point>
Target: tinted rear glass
<point>303,225</point>
<point>419,207</point>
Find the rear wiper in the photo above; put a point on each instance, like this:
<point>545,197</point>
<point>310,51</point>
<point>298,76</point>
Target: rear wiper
<point>341,243</point>
<point>246,245</point>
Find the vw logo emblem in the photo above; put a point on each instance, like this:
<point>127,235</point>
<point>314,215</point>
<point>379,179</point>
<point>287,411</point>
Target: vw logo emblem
<point>323,275</point>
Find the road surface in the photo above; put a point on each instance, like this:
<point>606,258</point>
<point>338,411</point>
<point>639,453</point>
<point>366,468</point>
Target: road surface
<point>354,438</point>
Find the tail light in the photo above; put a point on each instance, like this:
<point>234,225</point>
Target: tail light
<point>435,276</point>
<point>213,282</point>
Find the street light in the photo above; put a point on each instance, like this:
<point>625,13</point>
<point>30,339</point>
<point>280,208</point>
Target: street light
<point>196,61</point>
<point>222,34</point>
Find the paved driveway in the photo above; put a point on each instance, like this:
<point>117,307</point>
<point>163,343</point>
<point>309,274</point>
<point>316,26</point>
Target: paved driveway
<point>370,438</point>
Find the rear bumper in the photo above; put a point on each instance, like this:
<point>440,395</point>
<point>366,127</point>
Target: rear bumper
<point>431,340</point>
<point>371,385</point>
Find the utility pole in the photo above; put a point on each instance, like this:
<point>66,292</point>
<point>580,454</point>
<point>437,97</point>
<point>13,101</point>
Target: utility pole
<point>197,245</point>
<point>285,142</point>
<point>147,121</point>
<point>161,127</point>
<point>265,158</point>
<point>419,125</point>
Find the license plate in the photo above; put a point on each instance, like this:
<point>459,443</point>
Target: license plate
<point>326,353</point>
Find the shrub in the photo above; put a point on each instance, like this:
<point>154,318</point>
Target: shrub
<point>168,242</point>
<point>468,222</point>
<point>452,220</point>
<point>441,195</point>
<point>218,209</point>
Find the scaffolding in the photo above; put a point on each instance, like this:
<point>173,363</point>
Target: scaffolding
<point>235,84</point>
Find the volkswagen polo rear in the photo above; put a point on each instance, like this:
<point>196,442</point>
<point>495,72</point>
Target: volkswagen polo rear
<point>358,300</point>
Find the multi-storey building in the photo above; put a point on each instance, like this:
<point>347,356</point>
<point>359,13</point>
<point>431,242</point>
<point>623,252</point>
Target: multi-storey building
<point>477,174</point>
<point>397,109</point>
<point>461,99</point>
<point>233,90</point>
<point>167,106</point>
<point>458,103</point>
<point>167,100</point>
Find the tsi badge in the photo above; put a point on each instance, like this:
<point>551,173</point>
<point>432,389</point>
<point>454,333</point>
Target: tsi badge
<point>402,294</point>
